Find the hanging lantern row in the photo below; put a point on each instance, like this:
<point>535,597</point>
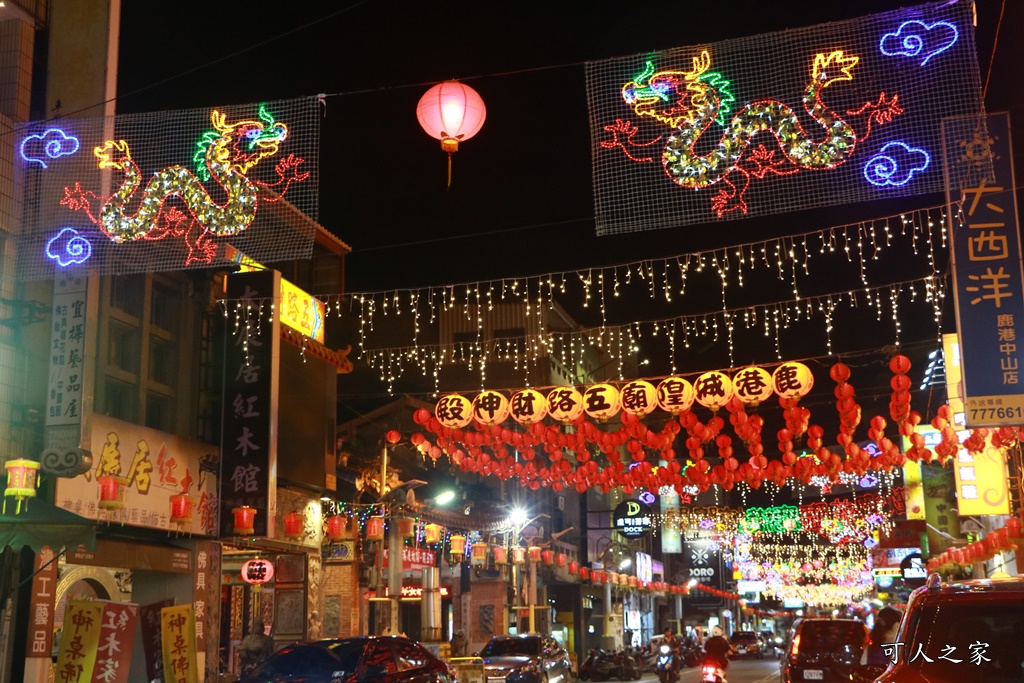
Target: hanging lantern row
<point>570,461</point>
<point>1007,538</point>
<point>713,390</point>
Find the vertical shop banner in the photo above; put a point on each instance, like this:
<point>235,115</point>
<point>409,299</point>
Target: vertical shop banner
<point>703,563</point>
<point>79,641</point>
<point>987,275</point>
<point>249,441</point>
<point>671,536</point>
<point>178,633</point>
<point>117,637</point>
<point>44,598</point>
<point>67,359</point>
<point>206,605</point>
<point>152,645</point>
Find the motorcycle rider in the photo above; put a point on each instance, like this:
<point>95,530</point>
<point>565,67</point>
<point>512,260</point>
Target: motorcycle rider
<point>672,641</point>
<point>718,649</point>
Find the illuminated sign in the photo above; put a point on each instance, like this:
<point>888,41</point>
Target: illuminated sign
<point>633,519</point>
<point>301,312</point>
<point>297,309</point>
<point>981,479</point>
<point>408,593</point>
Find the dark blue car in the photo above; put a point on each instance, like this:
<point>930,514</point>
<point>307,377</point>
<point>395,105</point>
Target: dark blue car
<point>376,659</point>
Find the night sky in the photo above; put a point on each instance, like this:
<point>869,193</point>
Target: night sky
<point>521,200</point>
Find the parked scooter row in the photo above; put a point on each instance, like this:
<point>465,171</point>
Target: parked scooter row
<point>601,665</point>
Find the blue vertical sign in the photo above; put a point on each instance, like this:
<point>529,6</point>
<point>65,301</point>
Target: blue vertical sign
<point>987,276</point>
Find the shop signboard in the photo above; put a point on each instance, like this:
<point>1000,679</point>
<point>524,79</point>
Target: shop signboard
<point>44,592</point>
<point>177,633</point>
<point>117,639</point>
<point>67,364</point>
<point>150,467</point>
<point>206,606</point>
<point>987,276</point>
<point>414,559</point>
<point>981,478</point>
<point>633,519</point>
<point>249,444</point>
<point>671,536</point>
<point>152,644</point>
<point>702,562</point>
<point>80,641</point>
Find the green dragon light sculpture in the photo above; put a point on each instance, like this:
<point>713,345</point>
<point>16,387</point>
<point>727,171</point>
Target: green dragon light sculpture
<point>227,154</point>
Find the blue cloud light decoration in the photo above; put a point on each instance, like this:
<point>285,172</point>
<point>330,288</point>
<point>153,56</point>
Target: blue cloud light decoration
<point>68,247</point>
<point>915,38</point>
<point>895,164</point>
<point>53,142</point>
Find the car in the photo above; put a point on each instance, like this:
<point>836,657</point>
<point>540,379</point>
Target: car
<point>527,658</point>
<point>979,622</point>
<point>366,659</point>
<point>771,643</point>
<point>824,650</point>
<point>747,644</point>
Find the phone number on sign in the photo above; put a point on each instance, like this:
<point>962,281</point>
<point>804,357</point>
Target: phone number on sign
<point>996,413</point>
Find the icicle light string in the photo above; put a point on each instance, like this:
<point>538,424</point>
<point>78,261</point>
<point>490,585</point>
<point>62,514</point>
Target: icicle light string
<point>621,341</point>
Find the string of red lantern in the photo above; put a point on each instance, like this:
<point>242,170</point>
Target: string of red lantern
<point>478,441</point>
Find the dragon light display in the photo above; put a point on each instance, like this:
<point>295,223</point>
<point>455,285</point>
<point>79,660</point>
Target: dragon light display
<point>689,102</point>
<point>174,202</point>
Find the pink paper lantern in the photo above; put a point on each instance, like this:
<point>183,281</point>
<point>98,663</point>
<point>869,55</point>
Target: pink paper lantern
<point>451,112</point>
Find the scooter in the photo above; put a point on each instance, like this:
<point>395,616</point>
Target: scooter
<point>596,667</point>
<point>666,666</point>
<point>711,672</point>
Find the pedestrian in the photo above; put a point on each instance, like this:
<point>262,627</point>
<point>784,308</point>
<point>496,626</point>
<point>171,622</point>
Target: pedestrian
<point>254,647</point>
<point>460,644</point>
<point>887,622</point>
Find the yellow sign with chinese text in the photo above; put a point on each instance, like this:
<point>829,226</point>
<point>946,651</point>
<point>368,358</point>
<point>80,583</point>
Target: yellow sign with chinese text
<point>178,633</point>
<point>301,312</point>
<point>79,641</point>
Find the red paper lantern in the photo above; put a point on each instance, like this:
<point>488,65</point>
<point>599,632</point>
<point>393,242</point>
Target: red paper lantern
<point>534,553</point>
<point>181,509</point>
<point>479,554</point>
<point>293,524</point>
<point>518,555</point>
<point>393,436</point>
<point>111,492</point>
<point>336,527</point>
<point>548,556</point>
<point>560,559</point>
<point>406,527</point>
<point>245,517</point>
<point>584,573</point>
<point>375,528</point>
<point>574,568</point>
<point>500,555</point>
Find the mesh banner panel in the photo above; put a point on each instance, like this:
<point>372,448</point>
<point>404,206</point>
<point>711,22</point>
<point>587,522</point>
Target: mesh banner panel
<point>830,114</point>
<point>167,190</point>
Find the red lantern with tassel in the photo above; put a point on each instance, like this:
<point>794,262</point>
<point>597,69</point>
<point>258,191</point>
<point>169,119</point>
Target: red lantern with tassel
<point>111,492</point>
<point>244,520</point>
<point>181,509</point>
<point>451,112</point>
<point>336,527</point>
<point>293,524</point>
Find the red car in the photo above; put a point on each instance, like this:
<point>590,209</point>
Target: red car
<point>965,631</point>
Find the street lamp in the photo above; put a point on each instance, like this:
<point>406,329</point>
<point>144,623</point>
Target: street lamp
<point>606,558</point>
<point>518,522</point>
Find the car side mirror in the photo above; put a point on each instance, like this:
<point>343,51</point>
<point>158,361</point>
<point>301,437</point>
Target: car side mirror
<point>373,673</point>
<point>866,673</point>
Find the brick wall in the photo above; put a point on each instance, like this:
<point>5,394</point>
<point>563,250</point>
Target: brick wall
<point>480,612</point>
<point>342,580</point>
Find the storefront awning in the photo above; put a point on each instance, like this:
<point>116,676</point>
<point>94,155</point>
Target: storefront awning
<point>42,523</point>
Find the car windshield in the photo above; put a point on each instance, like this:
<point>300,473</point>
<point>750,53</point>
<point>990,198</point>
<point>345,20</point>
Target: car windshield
<point>831,635</point>
<point>511,646</point>
<point>987,637</point>
<point>743,636</point>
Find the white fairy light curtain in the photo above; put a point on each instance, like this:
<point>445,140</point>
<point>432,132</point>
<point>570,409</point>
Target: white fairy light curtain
<point>831,114</point>
<point>799,265</point>
<point>168,190</point>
